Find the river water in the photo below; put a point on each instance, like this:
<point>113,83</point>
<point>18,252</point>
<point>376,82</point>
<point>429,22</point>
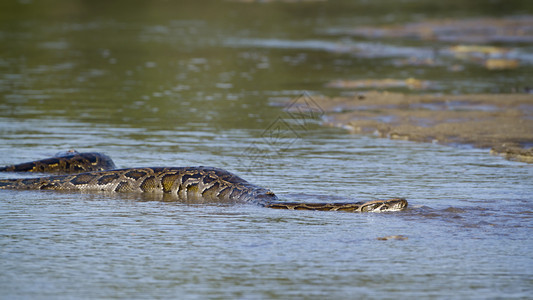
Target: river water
<point>187,83</point>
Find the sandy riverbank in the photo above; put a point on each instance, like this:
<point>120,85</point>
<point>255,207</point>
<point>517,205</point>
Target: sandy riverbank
<point>500,122</point>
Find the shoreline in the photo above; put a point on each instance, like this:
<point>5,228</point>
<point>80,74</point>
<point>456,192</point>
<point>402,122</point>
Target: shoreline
<point>501,122</point>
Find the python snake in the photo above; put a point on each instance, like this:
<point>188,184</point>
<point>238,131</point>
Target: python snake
<point>96,172</point>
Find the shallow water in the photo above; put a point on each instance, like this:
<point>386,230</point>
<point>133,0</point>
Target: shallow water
<point>169,84</point>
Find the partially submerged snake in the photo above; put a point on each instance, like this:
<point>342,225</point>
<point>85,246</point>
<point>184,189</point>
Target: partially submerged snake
<point>96,172</point>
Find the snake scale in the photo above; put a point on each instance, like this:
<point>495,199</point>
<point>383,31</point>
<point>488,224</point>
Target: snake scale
<point>96,172</point>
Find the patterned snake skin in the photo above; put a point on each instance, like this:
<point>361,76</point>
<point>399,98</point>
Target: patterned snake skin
<point>187,183</point>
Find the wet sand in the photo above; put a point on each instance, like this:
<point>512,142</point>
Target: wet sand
<point>515,29</point>
<point>500,122</point>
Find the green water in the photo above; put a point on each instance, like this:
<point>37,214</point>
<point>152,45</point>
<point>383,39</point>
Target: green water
<point>175,83</point>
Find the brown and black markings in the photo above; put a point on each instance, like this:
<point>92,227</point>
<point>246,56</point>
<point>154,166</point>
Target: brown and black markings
<point>95,172</point>
<point>65,163</point>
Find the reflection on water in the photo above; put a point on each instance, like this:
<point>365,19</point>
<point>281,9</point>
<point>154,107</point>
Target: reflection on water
<point>180,83</point>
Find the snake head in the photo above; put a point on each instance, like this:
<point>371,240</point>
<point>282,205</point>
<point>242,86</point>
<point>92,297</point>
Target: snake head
<point>395,204</point>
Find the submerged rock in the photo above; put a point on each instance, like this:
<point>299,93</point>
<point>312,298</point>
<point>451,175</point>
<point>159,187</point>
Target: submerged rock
<point>392,237</point>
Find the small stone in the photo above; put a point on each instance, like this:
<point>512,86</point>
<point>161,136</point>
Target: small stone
<point>392,237</point>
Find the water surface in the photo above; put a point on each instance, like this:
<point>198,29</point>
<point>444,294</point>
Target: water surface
<point>182,83</point>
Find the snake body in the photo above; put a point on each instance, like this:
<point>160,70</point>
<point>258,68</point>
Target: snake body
<point>68,162</point>
<point>186,183</point>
